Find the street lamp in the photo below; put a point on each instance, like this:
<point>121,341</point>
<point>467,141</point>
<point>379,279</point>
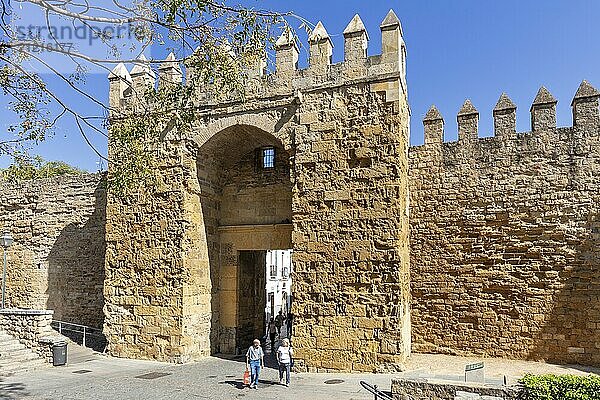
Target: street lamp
<point>5,241</point>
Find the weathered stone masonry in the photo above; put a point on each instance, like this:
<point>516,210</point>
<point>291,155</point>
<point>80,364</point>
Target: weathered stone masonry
<point>505,233</point>
<point>173,272</point>
<point>57,259</point>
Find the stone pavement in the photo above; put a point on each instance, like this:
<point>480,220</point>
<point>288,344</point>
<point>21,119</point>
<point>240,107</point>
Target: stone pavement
<point>106,378</point>
<point>445,367</point>
<point>103,378</point>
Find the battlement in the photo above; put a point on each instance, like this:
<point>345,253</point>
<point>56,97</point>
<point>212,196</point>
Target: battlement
<point>287,79</point>
<point>495,219</point>
<point>585,106</point>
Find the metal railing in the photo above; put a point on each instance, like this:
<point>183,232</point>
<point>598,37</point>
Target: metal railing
<point>379,395</point>
<point>85,335</point>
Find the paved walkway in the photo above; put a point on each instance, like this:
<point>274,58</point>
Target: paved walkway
<point>95,377</point>
<point>213,378</point>
<point>452,368</point>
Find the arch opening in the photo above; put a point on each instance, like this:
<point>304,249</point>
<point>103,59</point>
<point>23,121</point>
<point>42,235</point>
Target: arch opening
<point>246,199</point>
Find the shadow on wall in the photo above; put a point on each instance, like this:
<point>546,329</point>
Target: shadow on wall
<point>571,332</point>
<point>76,268</point>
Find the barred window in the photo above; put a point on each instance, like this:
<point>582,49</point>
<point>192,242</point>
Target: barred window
<point>268,157</point>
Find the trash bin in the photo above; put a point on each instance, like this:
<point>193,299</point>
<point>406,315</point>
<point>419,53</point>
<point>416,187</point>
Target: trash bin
<point>59,353</point>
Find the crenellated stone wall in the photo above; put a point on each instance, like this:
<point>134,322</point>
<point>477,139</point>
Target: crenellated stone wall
<point>57,259</point>
<point>505,233</point>
<point>173,270</point>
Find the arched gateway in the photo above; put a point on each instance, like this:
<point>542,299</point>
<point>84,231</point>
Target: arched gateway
<point>314,161</point>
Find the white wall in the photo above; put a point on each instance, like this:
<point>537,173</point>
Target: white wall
<point>280,282</point>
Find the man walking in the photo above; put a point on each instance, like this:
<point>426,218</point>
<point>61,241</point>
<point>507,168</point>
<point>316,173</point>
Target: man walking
<point>255,360</point>
<point>279,323</point>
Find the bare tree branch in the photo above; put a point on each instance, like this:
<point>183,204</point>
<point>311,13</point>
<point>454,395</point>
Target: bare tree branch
<point>68,82</point>
<point>57,99</point>
<point>87,140</point>
<point>79,16</point>
<point>202,33</point>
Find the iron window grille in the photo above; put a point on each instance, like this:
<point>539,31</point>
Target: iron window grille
<point>268,158</point>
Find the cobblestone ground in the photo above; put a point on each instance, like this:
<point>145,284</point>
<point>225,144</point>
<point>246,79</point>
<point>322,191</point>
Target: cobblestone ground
<point>94,377</point>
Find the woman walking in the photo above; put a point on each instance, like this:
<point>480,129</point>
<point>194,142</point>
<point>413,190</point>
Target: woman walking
<point>284,359</point>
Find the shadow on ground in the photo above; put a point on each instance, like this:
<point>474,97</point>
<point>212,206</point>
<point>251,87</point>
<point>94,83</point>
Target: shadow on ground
<point>12,391</point>
<point>270,355</point>
<point>270,359</point>
<point>239,383</point>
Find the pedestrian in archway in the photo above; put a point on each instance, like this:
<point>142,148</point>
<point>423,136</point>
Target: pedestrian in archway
<point>272,333</point>
<point>255,360</point>
<point>284,359</point>
<point>279,323</point>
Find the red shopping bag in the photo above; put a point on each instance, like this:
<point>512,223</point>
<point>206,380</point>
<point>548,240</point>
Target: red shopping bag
<point>246,377</point>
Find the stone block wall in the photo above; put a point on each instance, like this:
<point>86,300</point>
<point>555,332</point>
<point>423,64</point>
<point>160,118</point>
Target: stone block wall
<point>344,130</point>
<point>251,195</point>
<point>157,286</point>
<point>32,328</point>
<point>350,281</point>
<point>57,259</point>
<point>505,233</point>
<point>424,389</point>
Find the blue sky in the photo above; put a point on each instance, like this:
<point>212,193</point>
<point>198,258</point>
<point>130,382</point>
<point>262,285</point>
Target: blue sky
<point>456,50</point>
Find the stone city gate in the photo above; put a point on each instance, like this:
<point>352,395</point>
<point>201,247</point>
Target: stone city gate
<point>246,200</point>
<point>314,160</point>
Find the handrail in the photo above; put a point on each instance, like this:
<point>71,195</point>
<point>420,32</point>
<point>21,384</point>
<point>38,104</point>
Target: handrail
<point>77,325</point>
<point>379,395</point>
<point>87,330</point>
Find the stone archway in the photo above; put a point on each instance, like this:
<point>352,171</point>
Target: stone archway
<point>245,195</point>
